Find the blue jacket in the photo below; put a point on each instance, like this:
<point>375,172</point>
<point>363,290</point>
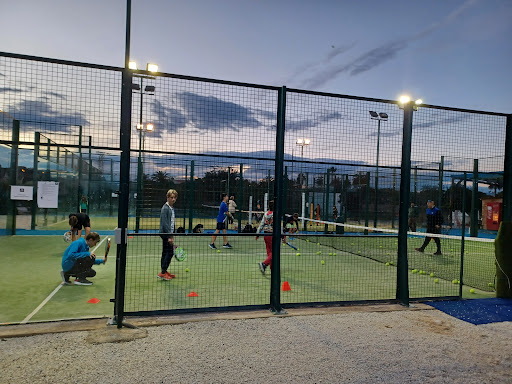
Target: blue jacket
<point>77,249</point>
<point>221,217</point>
<point>434,217</point>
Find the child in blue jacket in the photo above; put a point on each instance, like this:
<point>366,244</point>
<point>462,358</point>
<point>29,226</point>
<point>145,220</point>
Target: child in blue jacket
<point>78,261</point>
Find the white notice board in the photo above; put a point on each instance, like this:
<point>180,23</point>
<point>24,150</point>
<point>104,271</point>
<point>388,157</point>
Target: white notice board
<point>22,192</point>
<point>47,194</point>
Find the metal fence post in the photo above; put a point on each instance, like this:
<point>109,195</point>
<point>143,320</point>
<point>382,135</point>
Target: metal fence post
<point>191,198</point>
<point>240,197</point>
<point>402,279</point>
<point>13,176</point>
<point>463,234</point>
<point>440,192</point>
<point>35,178</point>
<point>507,174</point>
<point>474,201</point>
<point>367,202</point>
<point>124,177</point>
<point>80,171</point>
<point>275,292</point>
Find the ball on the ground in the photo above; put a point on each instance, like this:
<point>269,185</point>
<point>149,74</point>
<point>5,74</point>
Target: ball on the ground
<point>298,254</point>
<point>317,243</point>
<point>472,290</point>
<point>319,253</point>
<point>432,274</point>
<point>414,271</point>
<point>387,264</point>
<point>218,250</point>
<point>307,240</point>
<point>455,281</point>
<point>380,246</point>
<point>330,253</point>
<point>322,262</point>
<point>390,263</point>
<point>359,252</point>
<point>490,285</point>
<point>186,269</point>
<point>436,281</point>
<point>334,254</point>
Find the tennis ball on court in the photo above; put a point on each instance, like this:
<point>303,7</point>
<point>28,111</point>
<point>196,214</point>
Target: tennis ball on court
<point>352,244</point>
<point>218,250</point>
<point>186,269</point>
<point>319,253</point>
<point>490,285</point>
<point>317,243</point>
<point>298,254</point>
<point>322,262</point>
<point>387,264</point>
<point>330,253</point>
<point>307,241</point>
<point>472,290</point>
<point>380,246</point>
<point>390,263</point>
<point>454,282</point>
<point>432,274</point>
<point>387,253</point>
<point>334,254</point>
<point>359,252</point>
<point>422,272</point>
<point>414,271</point>
<point>436,281</point>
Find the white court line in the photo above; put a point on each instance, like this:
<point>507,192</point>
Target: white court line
<point>26,319</point>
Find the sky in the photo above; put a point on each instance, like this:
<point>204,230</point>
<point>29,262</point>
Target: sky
<point>451,53</point>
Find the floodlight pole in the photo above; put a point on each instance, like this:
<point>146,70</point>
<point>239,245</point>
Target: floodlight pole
<point>377,176</point>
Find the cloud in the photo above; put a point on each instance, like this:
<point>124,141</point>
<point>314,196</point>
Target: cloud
<point>55,94</point>
<point>168,119</point>
<point>440,122</point>
<point>35,113</point>
<point>320,118</point>
<point>15,90</point>
<point>212,113</point>
<point>381,54</point>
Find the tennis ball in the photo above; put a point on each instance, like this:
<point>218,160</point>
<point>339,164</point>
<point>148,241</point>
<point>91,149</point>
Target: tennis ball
<point>218,250</point>
<point>334,254</point>
<point>432,274</point>
<point>387,253</point>
<point>322,262</point>
<point>422,272</point>
<point>319,253</point>
<point>307,240</point>
<point>472,290</point>
<point>317,243</point>
<point>380,246</point>
<point>298,254</point>
<point>387,264</point>
<point>186,269</point>
<point>436,281</point>
<point>490,285</point>
<point>330,253</point>
<point>352,244</point>
<point>414,271</point>
<point>454,282</point>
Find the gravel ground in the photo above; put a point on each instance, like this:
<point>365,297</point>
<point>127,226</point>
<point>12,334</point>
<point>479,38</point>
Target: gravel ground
<point>425,346</point>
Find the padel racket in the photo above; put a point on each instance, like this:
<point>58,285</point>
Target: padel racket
<point>180,254</point>
<point>291,246</point>
<point>107,249</point>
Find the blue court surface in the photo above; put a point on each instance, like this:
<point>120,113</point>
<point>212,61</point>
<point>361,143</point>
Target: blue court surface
<point>477,311</point>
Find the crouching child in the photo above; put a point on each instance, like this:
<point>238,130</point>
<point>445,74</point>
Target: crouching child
<point>78,261</point>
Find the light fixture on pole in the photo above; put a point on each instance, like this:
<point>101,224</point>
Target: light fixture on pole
<point>147,90</point>
<point>302,142</point>
<point>381,116</point>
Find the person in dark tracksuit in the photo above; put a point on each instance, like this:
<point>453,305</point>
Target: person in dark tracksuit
<point>434,222</point>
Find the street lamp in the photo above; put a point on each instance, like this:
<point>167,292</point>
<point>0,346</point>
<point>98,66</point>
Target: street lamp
<point>381,116</point>
<point>302,142</point>
<point>147,90</point>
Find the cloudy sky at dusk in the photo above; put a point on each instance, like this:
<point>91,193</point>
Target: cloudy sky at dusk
<point>453,53</point>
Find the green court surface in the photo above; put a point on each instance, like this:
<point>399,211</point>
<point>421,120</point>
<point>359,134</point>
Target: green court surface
<point>230,277</point>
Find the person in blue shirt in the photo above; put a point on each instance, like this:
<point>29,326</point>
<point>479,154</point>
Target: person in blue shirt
<point>78,261</point>
<point>221,222</point>
<point>434,222</point>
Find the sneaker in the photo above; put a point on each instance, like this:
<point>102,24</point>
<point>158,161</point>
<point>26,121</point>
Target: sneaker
<point>212,246</point>
<point>227,245</point>
<point>438,253</point>
<point>65,278</point>
<point>163,276</point>
<point>262,267</point>
<point>419,250</point>
<point>82,281</point>
<point>170,275</point>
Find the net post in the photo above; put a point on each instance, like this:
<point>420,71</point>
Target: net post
<point>474,200</point>
<point>326,201</point>
<point>275,293</point>
<point>402,280</point>
<point>13,176</point>
<point>240,197</point>
<point>186,194</point>
<point>110,209</point>
<point>463,234</point>
<point>191,198</point>
<point>393,212</point>
<point>37,139</point>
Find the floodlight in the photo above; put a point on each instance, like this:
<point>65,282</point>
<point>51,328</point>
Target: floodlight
<point>383,115</point>
<point>152,67</point>
<point>418,102</point>
<point>150,127</point>
<point>299,141</point>
<point>140,127</point>
<point>135,87</point>
<point>404,99</point>
<point>307,141</point>
<point>374,114</point>
<point>132,65</point>
<point>149,88</point>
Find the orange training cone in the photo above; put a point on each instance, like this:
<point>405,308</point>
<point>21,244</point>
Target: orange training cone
<point>286,286</point>
<point>192,294</point>
<point>93,301</point>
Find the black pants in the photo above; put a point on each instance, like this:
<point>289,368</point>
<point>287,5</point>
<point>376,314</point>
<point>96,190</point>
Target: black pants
<point>82,268</point>
<point>436,239</point>
<point>167,254</point>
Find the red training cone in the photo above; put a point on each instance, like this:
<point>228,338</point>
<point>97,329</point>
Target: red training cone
<point>192,294</point>
<point>93,301</point>
<point>286,286</point>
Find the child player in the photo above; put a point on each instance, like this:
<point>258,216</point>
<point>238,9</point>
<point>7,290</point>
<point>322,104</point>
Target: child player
<point>167,219</point>
<point>78,261</point>
<point>221,222</point>
<point>266,225</point>
<point>76,222</point>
